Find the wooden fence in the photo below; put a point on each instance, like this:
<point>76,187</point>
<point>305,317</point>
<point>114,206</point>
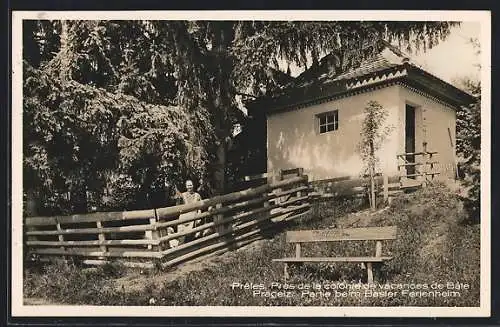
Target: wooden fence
<point>144,238</point>
<point>356,187</point>
<point>418,165</point>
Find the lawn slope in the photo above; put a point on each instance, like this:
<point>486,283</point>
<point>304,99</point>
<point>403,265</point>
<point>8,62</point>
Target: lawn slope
<point>434,247</point>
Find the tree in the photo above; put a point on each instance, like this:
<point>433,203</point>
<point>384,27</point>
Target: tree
<point>373,134</point>
<point>82,134</point>
<point>469,149</point>
<point>200,67</point>
<point>238,57</point>
<point>81,140</point>
<point>468,145</point>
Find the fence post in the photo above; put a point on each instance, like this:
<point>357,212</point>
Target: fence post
<point>60,237</point>
<point>102,237</point>
<point>277,176</point>
<point>426,160</point>
<point>300,173</point>
<point>157,234</point>
<point>266,214</point>
<point>152,234</point>
<point>217,218</point>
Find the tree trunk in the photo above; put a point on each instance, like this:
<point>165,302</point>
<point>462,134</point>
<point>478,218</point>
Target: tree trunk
<point>31,209</point>
<point>64,69</point>
<point>372,189</point>
<point>220,169</point>
<point>30,46</point>
<point>79,199</point>
<point>372,176</point>
<point>222,99</point>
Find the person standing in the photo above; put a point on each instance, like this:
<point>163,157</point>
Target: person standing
<point>188,197</point>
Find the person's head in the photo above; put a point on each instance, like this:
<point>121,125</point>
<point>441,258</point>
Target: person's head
<point>189,185</point>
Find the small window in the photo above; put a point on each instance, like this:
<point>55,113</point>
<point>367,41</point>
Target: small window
<point>328,121</point>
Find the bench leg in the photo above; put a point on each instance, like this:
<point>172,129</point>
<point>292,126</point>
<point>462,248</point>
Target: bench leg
<point>285,271</point>
<point>369,269</point>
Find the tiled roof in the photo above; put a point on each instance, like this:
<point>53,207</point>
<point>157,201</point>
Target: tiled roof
<point>381,61</point>
<point>387,57</point>
<point>322,81</point>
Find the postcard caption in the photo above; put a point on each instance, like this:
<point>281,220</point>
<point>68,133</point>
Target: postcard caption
<point>344,290</point>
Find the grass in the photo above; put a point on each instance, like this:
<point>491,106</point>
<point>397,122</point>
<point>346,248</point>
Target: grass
<point>434,247</point>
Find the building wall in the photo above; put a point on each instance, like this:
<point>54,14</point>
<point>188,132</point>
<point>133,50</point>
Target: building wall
<point>294,140</point>
<point>432,122</point>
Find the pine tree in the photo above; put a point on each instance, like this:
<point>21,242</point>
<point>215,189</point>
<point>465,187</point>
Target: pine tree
<point>84,77</point>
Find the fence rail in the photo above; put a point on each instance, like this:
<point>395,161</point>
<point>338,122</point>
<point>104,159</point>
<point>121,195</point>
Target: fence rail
<point>171,235</point>
<point>422,168</point>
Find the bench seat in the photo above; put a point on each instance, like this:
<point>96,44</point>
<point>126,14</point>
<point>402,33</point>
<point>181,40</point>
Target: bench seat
<point>377,234</point>
<point>333,259</point>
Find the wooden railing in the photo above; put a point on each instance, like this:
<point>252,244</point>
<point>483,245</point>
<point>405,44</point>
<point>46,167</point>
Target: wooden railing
<point>145,237</point>
<point>263,178</point>
<point>421,168</point>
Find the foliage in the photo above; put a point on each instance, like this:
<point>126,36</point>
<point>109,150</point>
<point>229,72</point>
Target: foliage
<point>468,144</point>
<point>116,98</point>
<point>469,148</point>
<point>258,45</point>
<point>373,134</point>
<point>90,138</point>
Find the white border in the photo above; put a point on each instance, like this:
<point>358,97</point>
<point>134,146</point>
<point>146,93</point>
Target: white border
<point>19,309</point>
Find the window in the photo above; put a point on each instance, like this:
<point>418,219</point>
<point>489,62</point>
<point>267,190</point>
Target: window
<point>328,121</point>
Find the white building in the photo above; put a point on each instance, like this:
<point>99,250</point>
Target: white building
<point>316,123</point>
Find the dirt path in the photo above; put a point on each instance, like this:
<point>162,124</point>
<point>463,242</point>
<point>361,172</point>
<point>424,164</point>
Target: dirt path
<point>137,280</point>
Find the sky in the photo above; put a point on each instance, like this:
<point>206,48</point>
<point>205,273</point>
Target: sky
<point>455,57</point>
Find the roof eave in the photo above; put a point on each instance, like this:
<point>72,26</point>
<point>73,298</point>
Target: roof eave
<point>352,86</point>
<point>407,72</point>
<point>448,92</point>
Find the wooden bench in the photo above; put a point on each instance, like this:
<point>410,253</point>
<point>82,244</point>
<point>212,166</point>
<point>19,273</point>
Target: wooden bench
<point>377,234</point>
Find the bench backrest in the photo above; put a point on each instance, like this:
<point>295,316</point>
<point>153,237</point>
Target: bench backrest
<point>342,234</point>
